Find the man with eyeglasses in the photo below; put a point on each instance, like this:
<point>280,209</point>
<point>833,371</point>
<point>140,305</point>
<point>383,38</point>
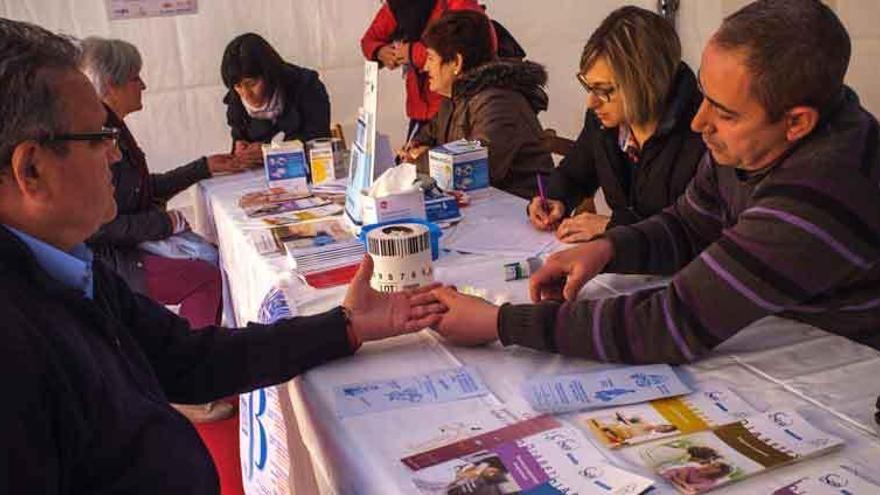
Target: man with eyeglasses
<point>782,217</point>
<point>87,367</point>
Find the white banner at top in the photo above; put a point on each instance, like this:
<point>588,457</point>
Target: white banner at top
<point>133,9</point>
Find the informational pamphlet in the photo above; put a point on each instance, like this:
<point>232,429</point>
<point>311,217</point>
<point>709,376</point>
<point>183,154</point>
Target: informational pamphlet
<point>711,406</point>
<point>277,200</point>
<point>839,478</point>
<point>534,456</point>
<point>382,395</point>
<point>606,388</point>
<point>700,462</point>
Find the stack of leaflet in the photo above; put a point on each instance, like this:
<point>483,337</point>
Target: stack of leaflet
<point>321,247</point>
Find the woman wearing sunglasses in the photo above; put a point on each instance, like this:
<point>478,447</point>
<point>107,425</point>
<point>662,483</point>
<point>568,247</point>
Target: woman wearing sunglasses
<point>636,143</point>
<point>113,67</point>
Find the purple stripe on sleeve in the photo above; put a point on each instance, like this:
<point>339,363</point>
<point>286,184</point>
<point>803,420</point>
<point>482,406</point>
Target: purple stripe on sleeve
<point>597,330</point>
<point>871,304</point>
<point>563,316</point>
<point>865,305</point>
<point>737,285</point>
<point>814,230</point>
<point>673,329</point>
<point>634,337</point>
<point>675,254</point>
<point>699,209</point>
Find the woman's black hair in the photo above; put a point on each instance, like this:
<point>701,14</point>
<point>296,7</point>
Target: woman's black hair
<point>412,18</point>
<point>249,55</point>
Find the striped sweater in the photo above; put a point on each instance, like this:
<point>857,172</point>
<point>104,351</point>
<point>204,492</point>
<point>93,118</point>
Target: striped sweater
<point>800,239</point>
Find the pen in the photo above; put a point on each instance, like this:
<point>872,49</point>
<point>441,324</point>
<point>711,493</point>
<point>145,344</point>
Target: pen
<point>541,193</point>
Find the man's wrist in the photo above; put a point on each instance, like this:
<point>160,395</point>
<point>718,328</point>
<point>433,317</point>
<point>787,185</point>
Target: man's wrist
<point>354,339</point>
<point>606,249</point>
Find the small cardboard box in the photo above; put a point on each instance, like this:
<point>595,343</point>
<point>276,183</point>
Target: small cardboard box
<point>442,209</point>
<point>410,204</point>
<point>285,165</point>
<point>322,160</point>
<point>460,165</point>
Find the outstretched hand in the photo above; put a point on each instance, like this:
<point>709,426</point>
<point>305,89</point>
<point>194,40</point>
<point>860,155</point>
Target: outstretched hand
<point>468,320</point>
<point>565,272</point>
<point>377,315</point>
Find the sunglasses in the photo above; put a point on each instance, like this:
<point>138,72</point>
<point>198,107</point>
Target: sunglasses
<point>105,134</point>
<point>604,94</point>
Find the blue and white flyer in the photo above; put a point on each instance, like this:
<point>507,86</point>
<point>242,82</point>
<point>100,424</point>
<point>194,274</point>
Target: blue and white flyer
<point>430,388</point>
<point>606,388</point>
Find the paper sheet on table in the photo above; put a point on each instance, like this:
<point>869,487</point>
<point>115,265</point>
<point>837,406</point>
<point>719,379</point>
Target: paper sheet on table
<point>382,395</point>
<point>508,236</point>
<point>611,387</point>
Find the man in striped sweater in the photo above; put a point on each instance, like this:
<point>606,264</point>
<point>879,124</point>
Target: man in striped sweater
<point>782,217</point>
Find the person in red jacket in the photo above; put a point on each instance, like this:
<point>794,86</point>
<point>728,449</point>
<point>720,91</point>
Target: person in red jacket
<point>394,40</point>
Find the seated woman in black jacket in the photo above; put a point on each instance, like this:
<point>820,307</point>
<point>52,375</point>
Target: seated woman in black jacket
<point>267,96</point>
<point>636,143</point>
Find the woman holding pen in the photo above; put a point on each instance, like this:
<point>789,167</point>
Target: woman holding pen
<point>636,143</point>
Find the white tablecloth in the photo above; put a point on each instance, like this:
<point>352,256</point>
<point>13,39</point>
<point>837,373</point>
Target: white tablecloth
<point>774,363</point>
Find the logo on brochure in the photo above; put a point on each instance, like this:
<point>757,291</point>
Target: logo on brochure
<point>565,442</point>
<point>648,380</point>
<point>781,419</point>
<point>715,395</point>
<point>592,472</point>
<point>834,480</point>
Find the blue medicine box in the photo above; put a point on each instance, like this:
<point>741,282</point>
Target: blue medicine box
<point>460,165</point>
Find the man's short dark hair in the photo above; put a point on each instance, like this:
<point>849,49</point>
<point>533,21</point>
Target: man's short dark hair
<point>464,32</point>
<point>797,52</point>
<point>30,57</point>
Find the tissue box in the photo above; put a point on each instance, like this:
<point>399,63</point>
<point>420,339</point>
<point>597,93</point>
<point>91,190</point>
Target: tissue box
<point>409,204</point>
<point>462,165</point>
<point>285,165</point>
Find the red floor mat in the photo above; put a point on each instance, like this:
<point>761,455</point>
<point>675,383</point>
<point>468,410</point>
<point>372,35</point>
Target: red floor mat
<point>221,437</point>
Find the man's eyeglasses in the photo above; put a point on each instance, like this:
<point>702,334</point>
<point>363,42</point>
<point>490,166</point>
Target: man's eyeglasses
<point>105,134</point>
<point>603,93</point>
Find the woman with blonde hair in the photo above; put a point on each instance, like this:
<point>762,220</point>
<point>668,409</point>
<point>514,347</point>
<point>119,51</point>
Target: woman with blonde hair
<point>636,143</point>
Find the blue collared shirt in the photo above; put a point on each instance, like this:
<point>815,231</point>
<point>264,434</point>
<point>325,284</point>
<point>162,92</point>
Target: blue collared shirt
<point>73,269</point>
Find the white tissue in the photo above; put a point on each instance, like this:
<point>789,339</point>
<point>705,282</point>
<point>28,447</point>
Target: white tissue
<point>277,139</point>
<point>395,180</point>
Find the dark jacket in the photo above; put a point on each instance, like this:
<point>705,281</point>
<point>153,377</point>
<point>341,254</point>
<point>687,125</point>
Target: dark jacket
<point>87,382</point>
<point>140,203</point>
<point>306,113</point>
<point>497,103</point>
<point>668,161</point>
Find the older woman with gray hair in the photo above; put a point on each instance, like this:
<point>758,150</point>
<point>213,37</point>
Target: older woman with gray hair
<point>114,68</point>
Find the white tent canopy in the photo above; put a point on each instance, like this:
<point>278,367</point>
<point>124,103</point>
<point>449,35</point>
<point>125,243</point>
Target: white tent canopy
<point>184,117</point>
